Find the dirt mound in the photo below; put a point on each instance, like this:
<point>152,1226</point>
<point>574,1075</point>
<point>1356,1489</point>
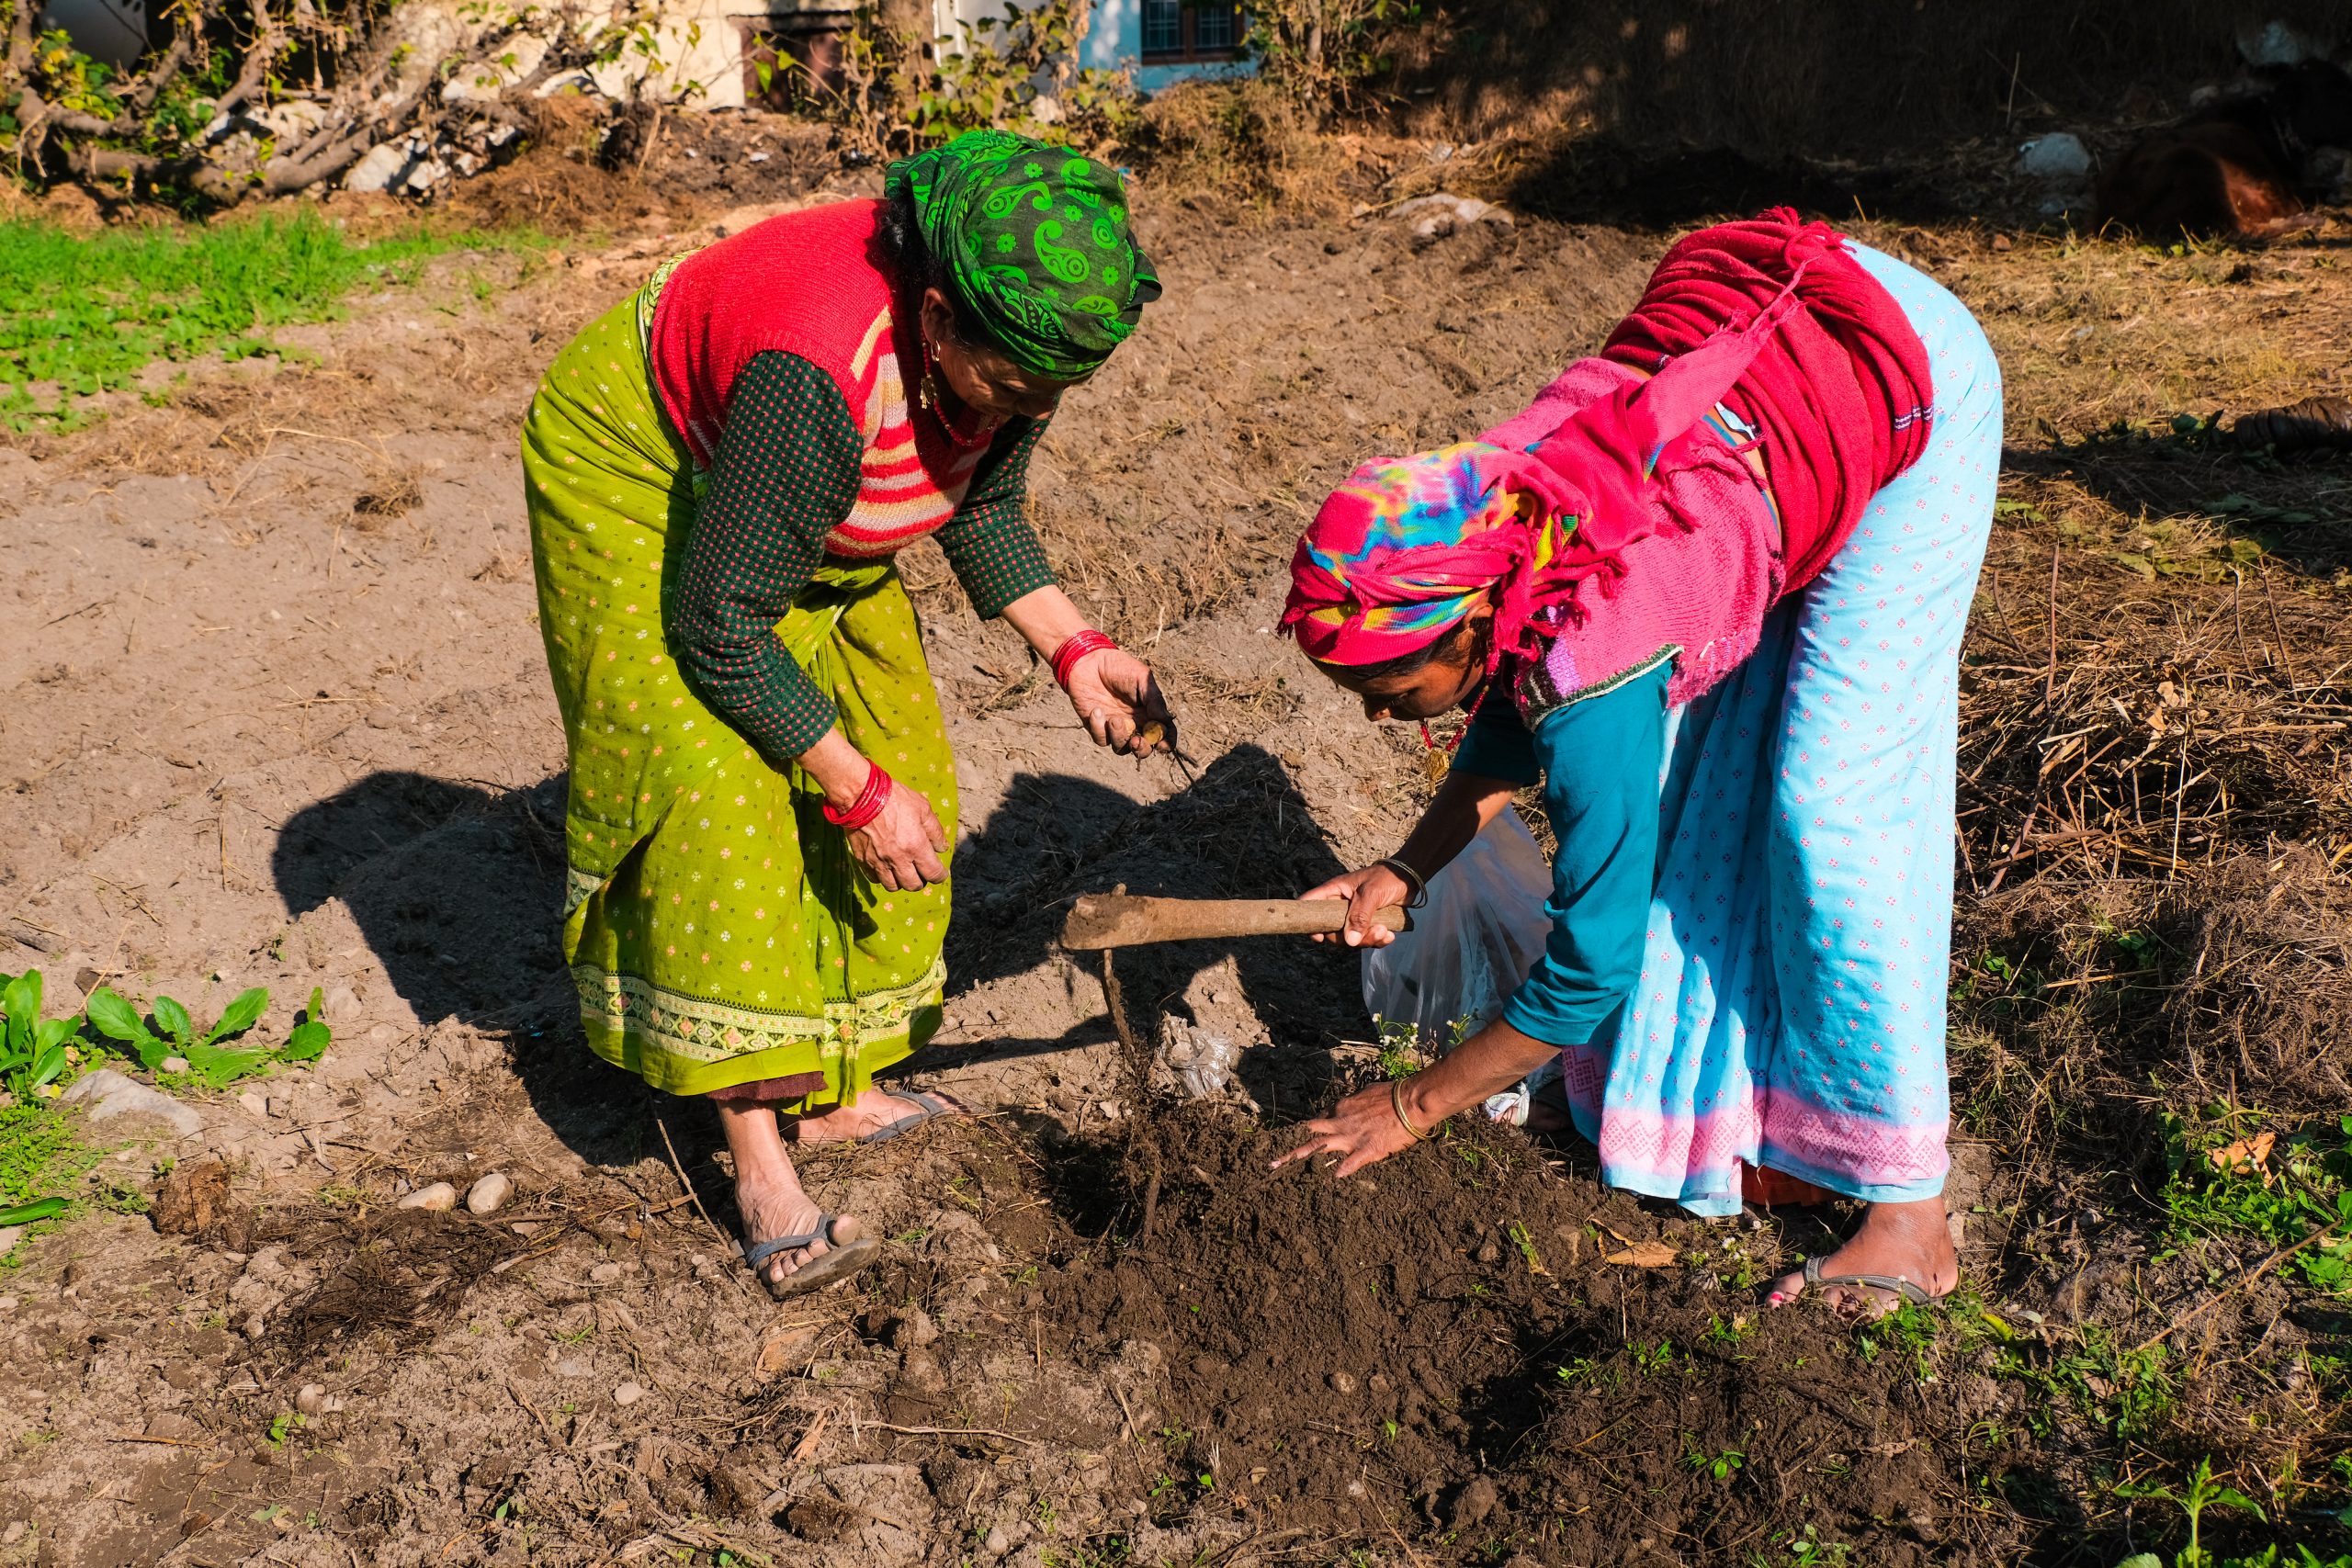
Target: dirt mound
<point>1444,1331</point>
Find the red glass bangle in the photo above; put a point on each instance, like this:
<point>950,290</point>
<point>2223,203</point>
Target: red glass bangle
<point>1080,644</point>
<point>868,804</point>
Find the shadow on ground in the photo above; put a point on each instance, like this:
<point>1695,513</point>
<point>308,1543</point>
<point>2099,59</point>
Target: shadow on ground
<point>457,890</point>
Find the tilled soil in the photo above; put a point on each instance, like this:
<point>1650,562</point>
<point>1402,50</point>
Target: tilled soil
<point>1444,1331</point>
<point>276,714</point>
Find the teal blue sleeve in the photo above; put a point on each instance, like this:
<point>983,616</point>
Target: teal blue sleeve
<point>1496,745</point>
<point>1600,760</point>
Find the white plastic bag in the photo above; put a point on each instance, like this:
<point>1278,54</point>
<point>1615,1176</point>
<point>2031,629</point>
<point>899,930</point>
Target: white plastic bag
<point>1471,944</point>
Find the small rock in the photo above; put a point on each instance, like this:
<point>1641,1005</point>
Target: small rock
<point>386,166</point>
<point>918,1371</point>
<point>311,1400</point>
<point>171,1065</point>
<point>341,1003</point>
<point>1378,1383</point>
<point>913,1330</point>
<point>253,1105</point>
<point>628,1393</point>
<point>996,1543</point>
<point>525,1228</point>
<point>109,1094</point>
<point>1342,1383</point>
<point>1489,1253</point>
<point>439,1198</point>
<point>8,1303</point>
<point>1472,1503</point>
<point>2058,160</point>
<point>572,1367</point>
<point>605,1274</point>
<point>13,1534</point>
<point>9,1236</point>
<point>489,1195</point>
<point>1358,1489</point>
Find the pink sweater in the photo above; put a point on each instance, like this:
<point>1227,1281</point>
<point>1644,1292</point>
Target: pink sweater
<point>1696,589</point>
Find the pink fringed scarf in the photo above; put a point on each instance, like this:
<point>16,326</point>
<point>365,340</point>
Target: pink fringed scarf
<point>1769,317</point>
<point>1841,393</point>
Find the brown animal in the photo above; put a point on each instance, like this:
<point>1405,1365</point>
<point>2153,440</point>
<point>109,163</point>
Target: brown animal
<point>2233,168</point>
<point>2213,178</point>
<point>2313,424</point>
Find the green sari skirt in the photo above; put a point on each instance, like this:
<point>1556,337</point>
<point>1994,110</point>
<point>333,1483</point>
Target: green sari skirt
<point>717,927</point>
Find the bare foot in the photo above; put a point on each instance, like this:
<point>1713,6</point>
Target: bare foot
<point>770,1198</point>
<point>869,1112</point>
<point>772,1209</point>
<point>1908,1241</point>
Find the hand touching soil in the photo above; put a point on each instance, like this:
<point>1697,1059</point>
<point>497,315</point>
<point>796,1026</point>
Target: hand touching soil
<point>1362,1129</point>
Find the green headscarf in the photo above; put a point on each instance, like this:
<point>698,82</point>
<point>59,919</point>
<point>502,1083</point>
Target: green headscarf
<point>1036,245</point>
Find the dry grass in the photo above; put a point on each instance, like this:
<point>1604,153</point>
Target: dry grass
<point>2156,785</point>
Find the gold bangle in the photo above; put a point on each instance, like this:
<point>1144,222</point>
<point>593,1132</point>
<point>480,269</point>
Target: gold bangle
<point>1397,1104</point>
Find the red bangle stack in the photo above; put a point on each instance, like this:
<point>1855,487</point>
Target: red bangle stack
<point>868,804</point>
<point>1078,647</point>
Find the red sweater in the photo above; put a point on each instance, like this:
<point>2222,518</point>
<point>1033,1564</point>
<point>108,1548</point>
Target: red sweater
<point>812,284</point>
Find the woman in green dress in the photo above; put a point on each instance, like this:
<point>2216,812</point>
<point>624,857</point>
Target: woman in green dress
<point>762,806</point>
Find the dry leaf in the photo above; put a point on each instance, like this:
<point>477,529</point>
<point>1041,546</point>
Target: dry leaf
<point>779,1347</point>
<point>807,1443</point>
<point>1645,1255</point>
<point>2247,1157</point>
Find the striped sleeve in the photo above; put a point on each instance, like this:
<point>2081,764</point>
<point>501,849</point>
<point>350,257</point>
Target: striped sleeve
<point>786,474</point>
<point>990,543</point>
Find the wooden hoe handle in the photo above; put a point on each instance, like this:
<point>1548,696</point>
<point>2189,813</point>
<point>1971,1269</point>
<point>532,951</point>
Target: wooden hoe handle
<point>1110,920</point>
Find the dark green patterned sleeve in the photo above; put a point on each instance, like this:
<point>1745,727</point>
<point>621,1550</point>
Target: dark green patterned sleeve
<point>786,475</point>
<point>988,541</point>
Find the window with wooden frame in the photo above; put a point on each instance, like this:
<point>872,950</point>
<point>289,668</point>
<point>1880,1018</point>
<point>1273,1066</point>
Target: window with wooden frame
<point>1178,31</point>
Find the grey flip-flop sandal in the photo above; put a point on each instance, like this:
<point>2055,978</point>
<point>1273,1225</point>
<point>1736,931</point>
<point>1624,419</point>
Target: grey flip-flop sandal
<point>932,1108</point>
<point>1909,1292</point>
<point>839,1261</point>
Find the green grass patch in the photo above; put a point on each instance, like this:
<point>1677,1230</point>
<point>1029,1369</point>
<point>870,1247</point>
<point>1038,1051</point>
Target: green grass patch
<point>2235,1172</point>
<point>84,315</point>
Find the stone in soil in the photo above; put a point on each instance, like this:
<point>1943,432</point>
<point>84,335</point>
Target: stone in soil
<point>489,1194</point>
<point>439,1198</point>
<point>112,1096</point>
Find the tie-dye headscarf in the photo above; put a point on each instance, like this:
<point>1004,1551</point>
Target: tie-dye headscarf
<point>1399,554</point>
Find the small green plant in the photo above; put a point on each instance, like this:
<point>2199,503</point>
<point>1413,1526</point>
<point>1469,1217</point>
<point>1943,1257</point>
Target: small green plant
<point>2228,1175</point>
<point>1399,1047</point>
<point>1526,1245</point>
<point>2203,1493</point>
<point>1802,1549</point>
<point>1655,1359</point>
<point>32,1049</point>
<point>206,1061</point>
<point>176,1034</point>
<point>1729,1331</point>
<point>2122,1389</point>
<point>1721,1464</point>
<point>311,1037</point>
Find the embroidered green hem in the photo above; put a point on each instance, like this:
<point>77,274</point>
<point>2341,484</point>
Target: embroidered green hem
<point>719,928</point>
<point>689,1045</point>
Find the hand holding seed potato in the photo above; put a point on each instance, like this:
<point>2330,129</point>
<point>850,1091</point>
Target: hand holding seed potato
<point>1117,698</point>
